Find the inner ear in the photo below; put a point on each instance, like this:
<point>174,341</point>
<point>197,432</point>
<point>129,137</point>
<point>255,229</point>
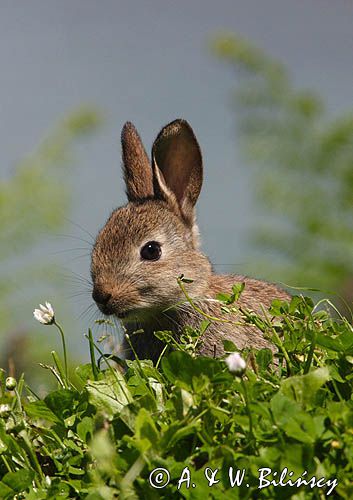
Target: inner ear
<point>177,154</point>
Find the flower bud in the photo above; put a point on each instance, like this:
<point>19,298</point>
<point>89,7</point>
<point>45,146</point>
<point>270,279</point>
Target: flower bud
<point>235,363</point>
<point>10,383</point>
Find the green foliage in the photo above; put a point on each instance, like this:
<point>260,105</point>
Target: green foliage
<point>34,203</point>
<point>304,171</point>
<point>103,437</point>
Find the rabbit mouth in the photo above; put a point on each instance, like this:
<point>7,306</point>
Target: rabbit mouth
<point>110,310</point>
<point>106,309</point>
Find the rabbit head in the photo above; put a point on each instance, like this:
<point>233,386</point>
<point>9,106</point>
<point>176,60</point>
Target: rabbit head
<point>146,244</point>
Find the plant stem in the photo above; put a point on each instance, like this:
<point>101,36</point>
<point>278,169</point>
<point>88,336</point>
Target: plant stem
<point>91,352</point>
<point>200,311</point>
<point>18,397</point>
<point>32,455</point>
<point>279,341</point>
<point>6,463</point>
<point>161,355</point>
<point>114,373</point>
<point>64,347</point>
<point>337,391</point>
<point>135,470</point>
<point>248,411</point>
<point>60,372</point>
<point>311,352</point>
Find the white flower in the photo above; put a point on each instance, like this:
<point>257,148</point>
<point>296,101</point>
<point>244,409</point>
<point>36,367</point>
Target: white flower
<point>45,314</point>
<point>235,363</point>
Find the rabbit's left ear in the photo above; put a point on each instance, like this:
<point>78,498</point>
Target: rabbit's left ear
<point>136,165</point>
<point>177,168</point>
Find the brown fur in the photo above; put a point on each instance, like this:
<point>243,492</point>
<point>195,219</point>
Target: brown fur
<point>145,294</point>
<point>138,177</point>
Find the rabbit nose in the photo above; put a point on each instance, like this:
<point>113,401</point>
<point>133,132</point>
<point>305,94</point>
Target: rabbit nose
<point>101,297</point>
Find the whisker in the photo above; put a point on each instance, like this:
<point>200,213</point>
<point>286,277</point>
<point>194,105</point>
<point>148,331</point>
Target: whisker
<point>66,250</point>
<point>72,274</point>
<point>73,237</point>
<point>86,311</point>
<point>82,256</point>
<point>80,227</point>
<point>85,293</point>
<point>92,318</point>
<point>228,265</point>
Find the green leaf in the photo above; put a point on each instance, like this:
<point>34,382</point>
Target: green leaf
<point>263,358</point>
<point>203,326</point>
<point>334,344</point>
<point>15,482</point>
<point>283,408</point>
<point>237,290</point>
<point>85,372</point>
<point>227,298</point>
<point>39,410</point>
<point>293,420</point>
<point>176,432</point>
<point>85,429</point>
<point>165,336</point>
<point>76,471</point>
<point>229,346</point>
<point>110,395</point>
<point>302,428</point>
<point>223,297</point>
<point>180,368</point>
<point>302,388</point>
<point>145,428</point>
<point>61,402</point>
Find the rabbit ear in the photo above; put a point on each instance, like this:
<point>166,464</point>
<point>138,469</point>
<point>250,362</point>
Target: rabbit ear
<point>136,165</point>
<point>177,167</point>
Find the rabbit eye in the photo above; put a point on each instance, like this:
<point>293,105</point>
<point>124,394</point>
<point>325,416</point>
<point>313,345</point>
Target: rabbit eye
<point>151,251</point>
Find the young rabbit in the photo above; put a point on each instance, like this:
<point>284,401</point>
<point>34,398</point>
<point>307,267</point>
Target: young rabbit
<point>146,244</point>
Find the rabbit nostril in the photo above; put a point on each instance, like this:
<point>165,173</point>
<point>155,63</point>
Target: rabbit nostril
<point>101,297</point>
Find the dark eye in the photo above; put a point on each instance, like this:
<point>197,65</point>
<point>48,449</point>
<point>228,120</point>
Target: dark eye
<point>151,251</point>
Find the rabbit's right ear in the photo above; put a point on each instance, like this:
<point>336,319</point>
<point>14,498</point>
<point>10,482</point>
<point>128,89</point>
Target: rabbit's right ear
<point>136,165</point>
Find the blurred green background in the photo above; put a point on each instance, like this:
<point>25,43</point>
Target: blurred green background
<point>267,87</point>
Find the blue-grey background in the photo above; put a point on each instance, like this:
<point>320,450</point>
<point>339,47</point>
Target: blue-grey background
<point>149,62</point>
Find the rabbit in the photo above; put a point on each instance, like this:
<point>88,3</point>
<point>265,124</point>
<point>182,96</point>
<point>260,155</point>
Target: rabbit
<point>146,244</point>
